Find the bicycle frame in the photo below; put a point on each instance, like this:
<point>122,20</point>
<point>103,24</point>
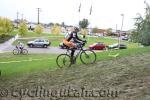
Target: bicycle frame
<point>78,53</point>
<point>19,49</point>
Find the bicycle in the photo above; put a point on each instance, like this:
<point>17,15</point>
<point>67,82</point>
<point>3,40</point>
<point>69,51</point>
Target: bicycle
<point>87,56</point>
<point>20,51</point>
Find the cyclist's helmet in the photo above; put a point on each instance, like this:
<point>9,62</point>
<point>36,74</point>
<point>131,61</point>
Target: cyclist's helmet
<point>76,29</point>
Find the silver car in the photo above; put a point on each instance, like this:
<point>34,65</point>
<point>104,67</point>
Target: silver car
<point>39,43</point>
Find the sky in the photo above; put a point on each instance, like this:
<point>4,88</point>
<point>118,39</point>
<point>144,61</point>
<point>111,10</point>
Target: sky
<point>105,13</point>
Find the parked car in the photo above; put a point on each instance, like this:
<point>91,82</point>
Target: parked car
<point>97,46</point>
<point>116,45</point>
<point>146,44</point>
<point>39,43</point>
<point>124,38</point>
<point>31,27</point>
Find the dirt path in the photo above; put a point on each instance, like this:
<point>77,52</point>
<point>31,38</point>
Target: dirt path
<point>126,78</point>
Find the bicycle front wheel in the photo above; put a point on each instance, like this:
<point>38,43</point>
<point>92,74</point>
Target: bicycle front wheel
<point>63,60</point>
<point>15,51</point>
<point>25,51</point>
<point>88,57</point>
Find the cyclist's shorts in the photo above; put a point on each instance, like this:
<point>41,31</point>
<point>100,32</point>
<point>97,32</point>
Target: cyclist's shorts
<point>68,43</point>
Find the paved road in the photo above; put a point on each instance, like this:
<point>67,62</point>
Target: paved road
<point>54,50</point>
<point>49,50</point>
<point>7,47</point>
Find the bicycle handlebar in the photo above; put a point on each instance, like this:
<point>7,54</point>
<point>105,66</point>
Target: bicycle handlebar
<point>81,44</point>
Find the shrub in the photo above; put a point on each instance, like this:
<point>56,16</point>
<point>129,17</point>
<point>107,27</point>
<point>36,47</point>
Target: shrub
<point>38,29</point>
<point>56,29</point>
<point>22,28</point>
<point>6,25</point>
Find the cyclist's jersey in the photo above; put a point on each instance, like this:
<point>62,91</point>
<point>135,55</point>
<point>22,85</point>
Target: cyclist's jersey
<point>20,45</point>
<point>73,37</point>
<point>67,35</point>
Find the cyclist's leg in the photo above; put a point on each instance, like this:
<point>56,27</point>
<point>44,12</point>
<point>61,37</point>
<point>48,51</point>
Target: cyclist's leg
<point>71,45</point>
<point>20,48</point>
<point>72,56</point>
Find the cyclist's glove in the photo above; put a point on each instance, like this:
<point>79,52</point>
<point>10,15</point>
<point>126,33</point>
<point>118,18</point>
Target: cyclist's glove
<point>84,41</point>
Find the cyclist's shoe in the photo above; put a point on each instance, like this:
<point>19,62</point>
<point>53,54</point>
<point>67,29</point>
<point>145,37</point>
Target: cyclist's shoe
<point>73,60</point>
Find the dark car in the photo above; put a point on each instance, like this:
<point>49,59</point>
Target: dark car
<point>146,44</point>
<point>39,43</point>
<point>120,46</point>
<point>97,46</point>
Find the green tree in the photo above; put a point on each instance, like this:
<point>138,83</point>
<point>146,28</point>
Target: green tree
<point>51,24</point>
<point>1,25</point>
<point>56,29</point>
<point>141,33</point>
<point>94,30</point>
<point>109,31</point>
<point>6,25</point>
<point>38,29</point>
<point>23,28</point>
<point>84,23</point>
<point>57,24</point>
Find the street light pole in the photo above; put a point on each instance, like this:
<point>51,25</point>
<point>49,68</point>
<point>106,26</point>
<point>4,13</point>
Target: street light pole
<point>121,27</point>
<point>122,21</point>
<point>22,17</point>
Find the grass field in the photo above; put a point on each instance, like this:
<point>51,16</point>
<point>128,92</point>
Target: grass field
<point>128,74</point>
<point>14,65</point>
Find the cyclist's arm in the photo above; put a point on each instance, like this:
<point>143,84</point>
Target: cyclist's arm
<point>77,39</point>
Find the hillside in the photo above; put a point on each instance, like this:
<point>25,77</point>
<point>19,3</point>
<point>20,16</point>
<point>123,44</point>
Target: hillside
<point>125,78</point>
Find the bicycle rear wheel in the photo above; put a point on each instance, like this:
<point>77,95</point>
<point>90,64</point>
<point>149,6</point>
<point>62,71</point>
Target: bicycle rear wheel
<point>15,51</point>
<point>88,57</point>
<point>24,51</point>
<point>63,60</point>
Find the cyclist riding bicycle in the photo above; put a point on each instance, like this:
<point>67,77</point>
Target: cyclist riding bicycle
<point>20,45</point>
<point>73,41</point>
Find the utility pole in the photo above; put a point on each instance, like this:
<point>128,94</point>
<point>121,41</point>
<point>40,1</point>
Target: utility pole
<point>22,17</point>
<point>17,19</point>
<point>38,9</point>
<point>118,34</point>
<point>122,21</point>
